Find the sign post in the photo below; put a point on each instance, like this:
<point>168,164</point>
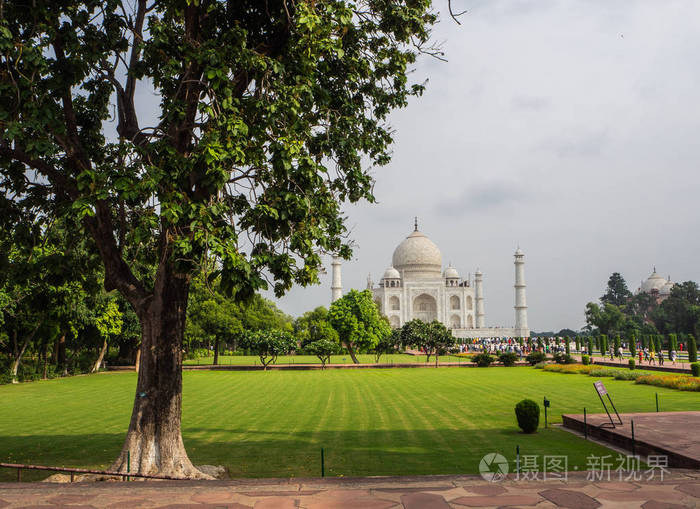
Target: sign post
<point>602,391</point>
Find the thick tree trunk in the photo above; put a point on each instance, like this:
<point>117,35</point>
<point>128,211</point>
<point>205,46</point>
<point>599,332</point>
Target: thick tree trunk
<point>46,360</point>
<point>351,351</point>
<point>101,356</point>
<point>20,352</point>
<point>61,360</point>
<point>216,351</point>
<point>154,438</point>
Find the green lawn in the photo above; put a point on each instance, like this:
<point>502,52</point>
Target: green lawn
<point>397,358</point>
<point>370,421</point>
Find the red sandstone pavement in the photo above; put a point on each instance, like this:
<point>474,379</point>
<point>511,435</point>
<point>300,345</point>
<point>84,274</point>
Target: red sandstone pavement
<point>679,489</point>
<point>662,432</point>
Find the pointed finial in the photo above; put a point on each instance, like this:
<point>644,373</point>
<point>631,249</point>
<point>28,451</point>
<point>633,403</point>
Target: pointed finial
<point>415,224</point>
<point>654,268</point>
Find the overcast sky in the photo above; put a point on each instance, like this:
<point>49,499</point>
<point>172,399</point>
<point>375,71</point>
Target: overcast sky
<point>570,128</point>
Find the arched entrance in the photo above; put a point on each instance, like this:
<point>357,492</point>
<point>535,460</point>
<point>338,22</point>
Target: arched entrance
<point>425,308</point>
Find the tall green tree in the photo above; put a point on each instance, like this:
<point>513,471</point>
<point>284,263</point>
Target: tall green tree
<point>616,293</point>
<point>607,318</point>
<point>357,321</point>
<point>433,338</point>
<point>314,326</point>
<point>269,115</point>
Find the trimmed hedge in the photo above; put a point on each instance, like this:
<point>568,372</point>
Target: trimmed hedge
<point>535,358</point>
<point>508,358</point>
<point>695,369</point>
<point>483,360</point>
<point>585,360</point>
<point>528,414</point>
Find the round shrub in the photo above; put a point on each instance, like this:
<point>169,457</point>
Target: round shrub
<point>585,360</point>
<point>695,368</point>
<point>528,414</point>
<point>508,358</point>
<point>535,358</point>
<point>483,360</point>
<point>631,363</point>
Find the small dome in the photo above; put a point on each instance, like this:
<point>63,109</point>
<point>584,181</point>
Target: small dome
<point>451,273</point>
<point>391,273</point>
<point>666,289</point>
<point>418,255</point>
<point>653,282</point>
<point>519,252</point>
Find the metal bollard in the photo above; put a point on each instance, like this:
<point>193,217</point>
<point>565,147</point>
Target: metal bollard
<point>585,425</point>
<point>657,401</point>
<point>323,466</point>
<point>634,448</point>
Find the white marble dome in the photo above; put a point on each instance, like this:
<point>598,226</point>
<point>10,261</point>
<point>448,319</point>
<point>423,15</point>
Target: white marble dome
<point>419,256</point>
<point>666,289</point>
<point>451,272</point>
<point>391,273</point>
<point>653,282</point>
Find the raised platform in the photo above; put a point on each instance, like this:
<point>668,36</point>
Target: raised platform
<point>672,434</point>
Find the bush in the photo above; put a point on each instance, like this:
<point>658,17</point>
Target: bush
<point>528,414</point>
<point>508,358</point>
<point>585,360</point>
<point>535,358</point>
<point>560,358</point>
<point>483,360</point>
<point>541,365</point>
<point>631,363</point>
<point>695,368</point>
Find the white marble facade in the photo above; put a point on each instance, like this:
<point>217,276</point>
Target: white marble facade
<point>415,286</point>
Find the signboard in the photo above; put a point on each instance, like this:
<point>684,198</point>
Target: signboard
<point>600,388</point>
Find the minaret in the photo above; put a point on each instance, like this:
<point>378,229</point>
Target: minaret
<point>336,285</point>
<point>479,296</point>
<point>521,327</point>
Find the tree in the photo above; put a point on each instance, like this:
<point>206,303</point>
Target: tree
<point>270,114</point>
<point>692,349</point>
<point>313,326</point>
<point>616,293</point>
<point>268,344</point>
<point>633,346</point>
<point>680,312</point>
<point>433,338</point>
<point>109,324</point>
<point>388,344</point>
<point>358,323</point>
<point>607,318</point>
<point>323,349</point>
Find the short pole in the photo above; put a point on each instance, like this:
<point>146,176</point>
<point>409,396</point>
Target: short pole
<point>657,401</point>
<point>323,465</point>
<point>634,452</point>
<point>72,476</point>
<point>585,424</point>
<point>128,464</point>
<point>517,460</point>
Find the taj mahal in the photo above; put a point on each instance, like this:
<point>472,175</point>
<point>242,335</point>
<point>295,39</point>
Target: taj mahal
<point>415,286</point>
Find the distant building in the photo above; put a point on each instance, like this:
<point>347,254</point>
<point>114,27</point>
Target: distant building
<point>415,286</point>
<point>657,286</point>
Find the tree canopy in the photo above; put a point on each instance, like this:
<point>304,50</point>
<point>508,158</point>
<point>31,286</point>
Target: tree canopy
<point>268,116</point>
<point>357,321</point>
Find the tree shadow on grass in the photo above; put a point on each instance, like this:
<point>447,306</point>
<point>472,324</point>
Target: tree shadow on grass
<point>298,454</point>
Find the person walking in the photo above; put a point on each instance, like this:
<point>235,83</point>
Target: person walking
<point>672,356</point>
<point>652,357</point>
<point>640,356</point>
<point>661,357</point>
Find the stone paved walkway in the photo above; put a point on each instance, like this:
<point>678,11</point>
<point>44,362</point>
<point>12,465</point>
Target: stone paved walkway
<point>679,489</point>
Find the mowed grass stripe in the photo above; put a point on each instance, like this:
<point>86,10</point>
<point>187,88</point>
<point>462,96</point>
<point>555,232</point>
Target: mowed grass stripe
<point>370,422</point>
